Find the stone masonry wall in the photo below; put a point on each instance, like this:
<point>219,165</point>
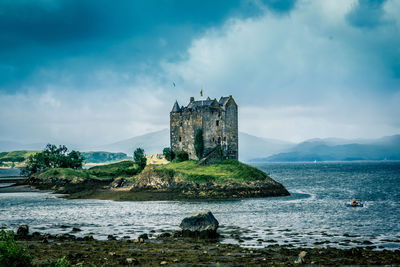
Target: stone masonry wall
<point>219,125</point>
<point>183,126</point>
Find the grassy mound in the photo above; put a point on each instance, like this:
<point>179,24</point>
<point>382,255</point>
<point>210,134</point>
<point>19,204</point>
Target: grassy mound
<point>105,172</point>
<point>221,172</point>
<point>65,174</point>
<point>124,168</point>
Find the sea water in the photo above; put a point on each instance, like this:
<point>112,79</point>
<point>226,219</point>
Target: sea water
<point>314,215</point>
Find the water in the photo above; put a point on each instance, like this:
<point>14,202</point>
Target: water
<point>314,214</point>
<point>9,172</point>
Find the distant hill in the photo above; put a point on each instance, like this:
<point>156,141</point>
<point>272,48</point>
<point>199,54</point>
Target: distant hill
<point>15,158</point>
<point>13,146</point>
<point>386,148</point>
<point>102,156</point>
<point>249,146</point>
<point>152,143</point>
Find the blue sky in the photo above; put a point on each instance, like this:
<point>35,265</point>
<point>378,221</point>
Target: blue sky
<point>95,72</point>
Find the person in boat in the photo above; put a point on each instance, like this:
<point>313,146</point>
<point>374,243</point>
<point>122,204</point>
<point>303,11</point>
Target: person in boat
<point>354,202</point>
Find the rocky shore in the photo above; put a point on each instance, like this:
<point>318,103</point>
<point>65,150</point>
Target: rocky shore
<point>171,249</point>
<point>198,243</point>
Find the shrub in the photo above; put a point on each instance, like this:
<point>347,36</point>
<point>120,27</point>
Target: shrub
<point>181,156</point>
<point>168,153</point>
<point>139,158</point>
<point>12,253</point>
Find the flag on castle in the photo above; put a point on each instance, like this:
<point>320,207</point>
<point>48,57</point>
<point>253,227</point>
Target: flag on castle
<point>201,92</point>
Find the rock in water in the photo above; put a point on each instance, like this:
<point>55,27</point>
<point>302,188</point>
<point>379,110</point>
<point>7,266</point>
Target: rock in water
<point>202,224</point>
<point>23,230</point>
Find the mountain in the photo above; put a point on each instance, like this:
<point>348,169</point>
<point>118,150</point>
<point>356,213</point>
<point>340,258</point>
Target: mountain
<point>249,146</point>
<point>385,148</point>
<point>152,143</point>
<point>12,146</point>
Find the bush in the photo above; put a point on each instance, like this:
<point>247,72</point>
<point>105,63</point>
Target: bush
<point>12,253</point>
<point>168,153</point>
<point>181,156</point>
<point>139,158</point>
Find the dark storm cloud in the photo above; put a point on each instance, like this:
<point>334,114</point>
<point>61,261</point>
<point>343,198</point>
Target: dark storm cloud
<point>48,34</point>
<point>366,14</point>
<point>280,6</point>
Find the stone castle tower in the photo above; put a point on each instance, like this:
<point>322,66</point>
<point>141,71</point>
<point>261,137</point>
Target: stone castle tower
<point>217,119</point>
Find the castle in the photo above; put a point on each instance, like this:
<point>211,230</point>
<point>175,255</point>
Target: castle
<point>218,121</point>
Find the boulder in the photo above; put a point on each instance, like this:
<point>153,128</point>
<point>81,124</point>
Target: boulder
<point>23,230</point>
<point>202,224</point>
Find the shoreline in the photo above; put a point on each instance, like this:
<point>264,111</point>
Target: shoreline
<point>173,249</point>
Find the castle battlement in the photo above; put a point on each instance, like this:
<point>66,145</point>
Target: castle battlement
<point>218,121</point>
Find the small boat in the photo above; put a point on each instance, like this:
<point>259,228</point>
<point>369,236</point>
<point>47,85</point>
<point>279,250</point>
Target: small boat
<point>358,205</point>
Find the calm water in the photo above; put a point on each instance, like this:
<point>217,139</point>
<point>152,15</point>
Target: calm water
<point>314,214</point>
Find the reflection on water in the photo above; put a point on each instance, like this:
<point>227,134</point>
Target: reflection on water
<point>314,214</point>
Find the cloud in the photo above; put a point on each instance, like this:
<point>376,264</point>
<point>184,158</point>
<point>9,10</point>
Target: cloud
<point>83,118</point>
<point>312,58</point>
<point>367,14</point>
<point>280,6</point>
<point>297,69</point>
<point>124,35</point>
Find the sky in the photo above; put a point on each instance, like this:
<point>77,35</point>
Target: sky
<point>95,72</point>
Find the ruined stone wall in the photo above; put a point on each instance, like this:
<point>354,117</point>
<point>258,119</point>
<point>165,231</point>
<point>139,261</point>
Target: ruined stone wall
<point>230,144</point>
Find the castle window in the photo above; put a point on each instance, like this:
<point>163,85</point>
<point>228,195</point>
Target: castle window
<point>224,138</point>
<point>217,123</point>
<point>213,139</point>
<point>180,139</point>
<point>219,139</point>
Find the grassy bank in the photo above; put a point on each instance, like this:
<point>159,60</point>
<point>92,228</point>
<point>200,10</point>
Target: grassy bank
<point>123,169</point>
<point>219,173</point>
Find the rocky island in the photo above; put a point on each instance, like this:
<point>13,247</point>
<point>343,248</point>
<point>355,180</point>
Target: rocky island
<point>228,179</point>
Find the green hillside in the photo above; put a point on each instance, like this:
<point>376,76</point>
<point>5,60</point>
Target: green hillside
<point>15,158</point>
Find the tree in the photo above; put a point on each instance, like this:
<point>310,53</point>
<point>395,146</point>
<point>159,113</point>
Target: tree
<point>139,158</point>
<point>168,153</point>
<point>199,143</point>
<point>53,157</point>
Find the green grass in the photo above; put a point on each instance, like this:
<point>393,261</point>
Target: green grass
<point>126,169</point>
<point>123,168</point>
<point>65,173</point>
<point>221,172</point>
